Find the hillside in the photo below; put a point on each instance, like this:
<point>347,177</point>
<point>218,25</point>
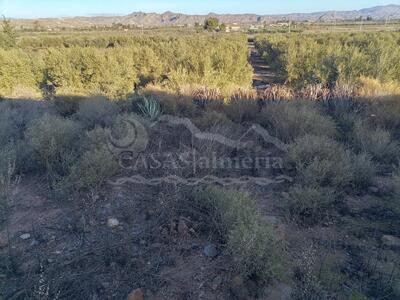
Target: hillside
<point>170,18</point>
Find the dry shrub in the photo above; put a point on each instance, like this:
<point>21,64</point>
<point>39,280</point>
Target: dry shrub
<point>254,246</point>
<point>66,106</point>
<point>54,142</point>
<point>386,112</point>
<point>320,161</point>
<point>295,119</point>
<point>310,205</point>
<point>344,91</point>
<point>93,169</point>
<point>376,142</point>
<point>370,87</point>
<point>244,94</point>
<point>276,92</point>
<point>363,169</point>
<point>316,92</point>
<point>210,119</point>
<point>242,110</point>
<point>97,111</point>
<point>204,95</point>
<point>171,103</point>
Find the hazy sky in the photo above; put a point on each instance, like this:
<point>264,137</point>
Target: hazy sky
<point>57,8</point>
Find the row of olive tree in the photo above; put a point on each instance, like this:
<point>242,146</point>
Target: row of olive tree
<point>174,62</point>
<point>331,58</point>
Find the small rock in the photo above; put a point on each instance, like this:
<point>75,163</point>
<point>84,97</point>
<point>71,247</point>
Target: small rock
<point>210,250</point>
<point>25,236</point>
<point>391,241</point>
<point>112,223</point>
<point>136,295</point>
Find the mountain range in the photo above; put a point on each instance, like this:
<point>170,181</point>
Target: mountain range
<point>176,19</point>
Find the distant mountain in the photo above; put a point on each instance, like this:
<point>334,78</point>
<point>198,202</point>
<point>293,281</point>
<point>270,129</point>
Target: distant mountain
<point>169,18</point>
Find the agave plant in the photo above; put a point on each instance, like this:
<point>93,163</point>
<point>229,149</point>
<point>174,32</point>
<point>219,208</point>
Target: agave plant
<point>150,108</point>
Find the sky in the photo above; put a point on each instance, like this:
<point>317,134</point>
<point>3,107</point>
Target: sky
<point>65,8</point>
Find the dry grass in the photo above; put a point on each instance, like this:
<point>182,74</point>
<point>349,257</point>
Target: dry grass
<point>277,92</point>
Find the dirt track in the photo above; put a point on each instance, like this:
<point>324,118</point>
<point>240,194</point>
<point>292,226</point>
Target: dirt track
<point>263,75</point>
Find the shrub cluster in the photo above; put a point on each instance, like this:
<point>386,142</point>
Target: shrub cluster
<point>254,245</point>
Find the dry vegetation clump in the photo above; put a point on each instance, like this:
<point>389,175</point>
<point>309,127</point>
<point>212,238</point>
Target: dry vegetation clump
<point>364,171</point>
<point>316,92</point>
<point>310,205</point>
<point>371,87</point>
<point>375,141</point>
<point>211,118</point>
<point>277,92</point>
<point>92,170</point>
<point>54,142</point>
<point>66,106</point>
<point>320,161</point>
<point>385,113</point>
<point>96,111</point>
<point>204,95</point>
<point>242,110</point>
<point>241,93</point>
<point>344,91</point>
<point>291,120</point>
<point>255,248</point>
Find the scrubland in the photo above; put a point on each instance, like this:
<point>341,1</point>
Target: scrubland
<point>331,232</point>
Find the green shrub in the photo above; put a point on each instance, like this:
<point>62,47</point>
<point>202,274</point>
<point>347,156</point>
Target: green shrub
<point>363,169</point>
<point>320,161</point>
<point>93,169</point>
<point>96,111</point>
<point>85,66</point>
<point>254,246</point>
<point>53,141</point>
<point>310,205</point>
<point>376,142</point>
<point>331,58</point>
<point>291,120</point>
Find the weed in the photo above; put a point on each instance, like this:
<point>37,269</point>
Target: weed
<point>320,161</point>
<point>53,142</point>
<point>291,120</point>
<point>310,205</point>
<point>254,246</point>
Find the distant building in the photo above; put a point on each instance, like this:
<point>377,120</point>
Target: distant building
<point>232,27</point>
